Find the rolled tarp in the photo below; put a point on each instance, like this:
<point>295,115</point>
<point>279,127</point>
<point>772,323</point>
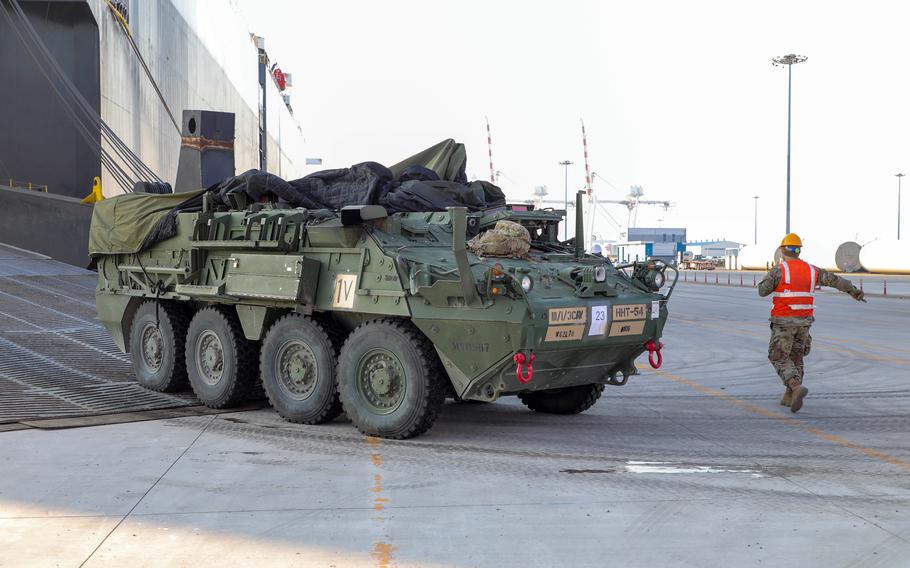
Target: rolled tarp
<point>126,224</point>
<point>886,256</point>
<point>847,257</point>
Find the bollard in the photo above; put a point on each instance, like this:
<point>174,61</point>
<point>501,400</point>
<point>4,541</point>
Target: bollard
<point>716,278</point>
<point>740,279</point>
<point>753,280</point>
<point>860,284</point>
<point>885,293</point>
<point>728,279</point>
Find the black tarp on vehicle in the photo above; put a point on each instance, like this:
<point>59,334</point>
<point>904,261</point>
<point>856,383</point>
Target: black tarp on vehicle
<point>360,184</point>
<point>431,180</point>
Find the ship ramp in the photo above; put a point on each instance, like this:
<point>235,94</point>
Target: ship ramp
<point>58,365</point>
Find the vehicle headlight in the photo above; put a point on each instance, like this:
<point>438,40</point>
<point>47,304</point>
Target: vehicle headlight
<point>655,280</point>
<point>526,283</point>
<point>600,273</point>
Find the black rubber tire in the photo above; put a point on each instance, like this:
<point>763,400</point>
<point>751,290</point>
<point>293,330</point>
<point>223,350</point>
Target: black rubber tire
<point>240,367</point>
<point>170,375</point>
<point>424,387</point>
<point>569,400</point>
<point>322,404</point>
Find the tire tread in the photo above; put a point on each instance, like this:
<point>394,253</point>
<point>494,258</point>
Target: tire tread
<point>180,321</point>
<point>334,408</point>
<point>433,373</point>
<point>247,358</point>
<point>565,402</point>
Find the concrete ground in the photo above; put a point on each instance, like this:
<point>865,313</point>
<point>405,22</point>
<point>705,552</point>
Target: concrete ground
<point>694,465</point>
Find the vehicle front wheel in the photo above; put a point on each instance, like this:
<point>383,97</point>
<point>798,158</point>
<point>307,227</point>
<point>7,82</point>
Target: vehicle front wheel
<point>220,361</point>
<point>390,380</point>
<point>297,365</point>
<point>569,400</point>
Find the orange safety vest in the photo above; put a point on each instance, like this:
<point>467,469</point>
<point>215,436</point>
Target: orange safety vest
<point>794,296</point>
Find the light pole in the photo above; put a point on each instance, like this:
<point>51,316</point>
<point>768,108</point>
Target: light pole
<point>789,60</point>
<point>565,226</point>
<point>898,176</point>
<point>755,239</point>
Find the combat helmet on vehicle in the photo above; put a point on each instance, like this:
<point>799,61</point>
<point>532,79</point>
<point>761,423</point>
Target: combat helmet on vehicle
<point>377,311</point>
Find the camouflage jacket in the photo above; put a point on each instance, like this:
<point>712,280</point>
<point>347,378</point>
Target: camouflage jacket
<point>825,278</point>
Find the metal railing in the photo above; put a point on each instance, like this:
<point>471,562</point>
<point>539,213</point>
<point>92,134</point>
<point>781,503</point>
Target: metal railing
<point>17,184</point>
<point>873,286</point>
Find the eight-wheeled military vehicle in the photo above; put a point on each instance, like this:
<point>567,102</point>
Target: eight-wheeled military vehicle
<point>375,315</point>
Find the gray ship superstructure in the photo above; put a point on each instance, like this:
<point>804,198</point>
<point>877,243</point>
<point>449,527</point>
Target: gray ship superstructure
<point>137,65</point>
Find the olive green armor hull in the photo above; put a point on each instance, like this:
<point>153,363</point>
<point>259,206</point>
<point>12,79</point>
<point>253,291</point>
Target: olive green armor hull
<point>476,322</point>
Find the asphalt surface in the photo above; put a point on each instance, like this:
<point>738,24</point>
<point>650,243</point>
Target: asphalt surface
<point>695,465</point>
<point>871,284</point>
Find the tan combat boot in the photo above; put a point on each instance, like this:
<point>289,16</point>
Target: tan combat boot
<point>799,393</point>
<point>788,396</point>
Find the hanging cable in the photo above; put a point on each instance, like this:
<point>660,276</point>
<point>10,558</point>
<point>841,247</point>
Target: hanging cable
<point>145,67</point>
<point>120,148</point>
<point>116,171</point>
<point>70,96</point>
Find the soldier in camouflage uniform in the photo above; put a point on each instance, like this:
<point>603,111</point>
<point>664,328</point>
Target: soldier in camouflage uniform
<point>793,284</point>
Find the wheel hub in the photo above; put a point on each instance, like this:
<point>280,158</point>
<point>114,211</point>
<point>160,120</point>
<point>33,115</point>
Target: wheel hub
<point>210,357</point>
<point>381,380</point>
<point>152,346</point>
<point>297,369</point>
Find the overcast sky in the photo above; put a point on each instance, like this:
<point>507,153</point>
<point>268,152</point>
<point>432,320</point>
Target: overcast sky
<point>678,97</point>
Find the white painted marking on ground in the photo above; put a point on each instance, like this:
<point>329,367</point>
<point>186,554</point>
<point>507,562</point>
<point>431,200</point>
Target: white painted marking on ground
<point>669,467</point>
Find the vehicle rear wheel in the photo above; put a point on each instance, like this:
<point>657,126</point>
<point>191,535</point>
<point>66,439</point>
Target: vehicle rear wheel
<point>297,365</point>
<point>157,342</point>
<point>220,361</point>
<point>390,380</point>
<point>569,400</point>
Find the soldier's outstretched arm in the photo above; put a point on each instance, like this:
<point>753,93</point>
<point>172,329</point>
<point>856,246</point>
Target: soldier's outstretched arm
<point>769,282</point>
<point>831,280</point>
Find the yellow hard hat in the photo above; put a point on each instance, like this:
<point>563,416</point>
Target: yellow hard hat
<point>791,240</point>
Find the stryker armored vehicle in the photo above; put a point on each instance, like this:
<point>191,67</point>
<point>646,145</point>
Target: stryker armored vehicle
<point>377,315</point>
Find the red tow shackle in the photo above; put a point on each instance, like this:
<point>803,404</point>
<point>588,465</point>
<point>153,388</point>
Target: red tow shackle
<point>519,359</point>
<point>652,349</point>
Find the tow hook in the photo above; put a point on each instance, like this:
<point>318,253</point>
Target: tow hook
<point>520,359</point>
<point>652,350</point>
<point>619,378</point>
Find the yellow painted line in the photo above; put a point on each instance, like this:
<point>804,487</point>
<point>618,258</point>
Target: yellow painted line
<point>382,551</point>
<point>875,454</point>
<point>863,354</point>
<point>382,554</point>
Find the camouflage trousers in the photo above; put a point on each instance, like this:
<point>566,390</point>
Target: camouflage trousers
<point>788,346</point>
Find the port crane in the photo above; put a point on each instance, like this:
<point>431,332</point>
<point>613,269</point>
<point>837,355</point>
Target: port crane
<point>631,203</point>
